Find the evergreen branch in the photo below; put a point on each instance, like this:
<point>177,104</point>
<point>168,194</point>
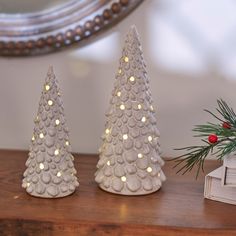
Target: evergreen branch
<point>227,113</point>
<point>226,149</point>
<point>211,113</point>
<point>195,156</point>
<point>210,128</point>
<point>221,140</point>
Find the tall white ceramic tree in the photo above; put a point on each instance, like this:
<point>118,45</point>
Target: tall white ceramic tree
<point>50,169</point>
<point>129,161</point>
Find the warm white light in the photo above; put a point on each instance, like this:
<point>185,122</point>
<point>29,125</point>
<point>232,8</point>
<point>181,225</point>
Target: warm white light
<point>123,178</point>
<point>118,94</point>
<point>57,122</point>
<point>47,87</point>
<point>67,143</point>
<point>36,119</point>
<point>149,169</point>
<point>27,184</point>
<point>56,152</point>
<point>33,138</point>
<point>159,174</point>
<point>150,138</point>
<point>132,79</point>
<point>122,107</point>
<point>59,174</point>
<point>151,107</point>
<point>50,102</point>
<point>41,135</point>
<point>140,155</point>
<point>125,136</point>
<point>143,119</point>
<point>139,106</point>
<point>107,131</point>
<point>119,71</point>
<point>108,163</point>
<point>126,59</point>
<point>41,166</point>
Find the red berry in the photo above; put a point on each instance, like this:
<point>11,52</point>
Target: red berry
<point>212,138</point>
<point>226,125</point>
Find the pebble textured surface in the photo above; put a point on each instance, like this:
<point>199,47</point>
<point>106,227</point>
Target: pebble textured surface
<point>129,161</point>
<point>50,169</point>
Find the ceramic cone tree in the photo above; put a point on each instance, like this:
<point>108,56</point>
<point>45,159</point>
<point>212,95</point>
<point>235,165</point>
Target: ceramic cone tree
<point>130,161</point>
<point>50,170</point>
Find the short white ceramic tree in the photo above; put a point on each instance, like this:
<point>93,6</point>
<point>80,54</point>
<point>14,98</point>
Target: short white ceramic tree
<point>129,161</point>
<point>50,169</point>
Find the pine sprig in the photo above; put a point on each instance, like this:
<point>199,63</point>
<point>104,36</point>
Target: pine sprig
<point>195,155</point>
<point>210,128</point>
<point>226,112</point>
<point>219,140</point>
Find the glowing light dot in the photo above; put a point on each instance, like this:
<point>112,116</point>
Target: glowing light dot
<point>132,79</point>
<point>41,166</point>
<point>67,143</point>
<point>150,138</point>
<point>107,131</point>
<point>33,138</point>
<point>28,184</point>
<point>58,174</point>
<point>50,102</point>
<point>119,71</point>
<point>123,178</point>
<point>47,87</point>
<point>36,119</point>
<point>57,122</point>
<point>122,107</point>
<point>151,107</point>
<point>143,119</point>
<point>56,152</point>
<point>118,94</point>
<point>125,136</point>
<point>41,135</point>
<point>126,59</point>
<point>108,163</point>
<point>159,174</point>
<point>149,169</point>
<point>140,155</point>
<point>139,106</point>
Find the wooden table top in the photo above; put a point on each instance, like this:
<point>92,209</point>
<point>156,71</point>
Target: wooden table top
<point>177,209</point>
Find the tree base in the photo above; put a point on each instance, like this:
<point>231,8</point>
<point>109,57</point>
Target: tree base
<point>129,193</point>
<point>49,196</point>
<point>50,191</point>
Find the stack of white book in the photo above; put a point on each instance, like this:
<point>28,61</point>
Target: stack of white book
<point>220,184</point>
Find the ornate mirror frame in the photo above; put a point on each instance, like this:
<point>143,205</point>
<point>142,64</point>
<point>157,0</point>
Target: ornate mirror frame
<point>32,34</point>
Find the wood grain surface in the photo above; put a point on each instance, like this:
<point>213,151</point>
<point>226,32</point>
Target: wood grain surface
<point>177,209</point>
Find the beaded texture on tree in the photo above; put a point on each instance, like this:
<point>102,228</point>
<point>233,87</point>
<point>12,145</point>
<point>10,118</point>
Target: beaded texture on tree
<point>50,169</point>
<point>129,161</point>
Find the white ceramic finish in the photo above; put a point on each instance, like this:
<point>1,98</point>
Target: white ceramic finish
<point>130,162</point>
<point>50,170</point>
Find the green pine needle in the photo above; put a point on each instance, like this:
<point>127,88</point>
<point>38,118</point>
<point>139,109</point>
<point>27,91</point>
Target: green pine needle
<point>226,144</point>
